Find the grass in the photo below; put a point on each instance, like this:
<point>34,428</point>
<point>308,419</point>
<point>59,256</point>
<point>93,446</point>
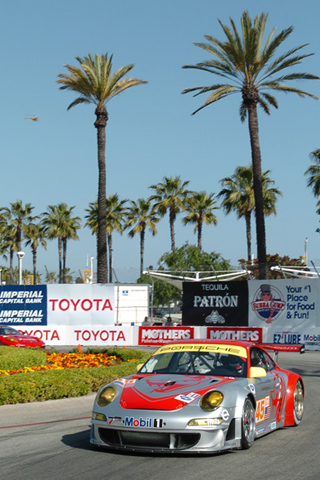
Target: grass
<point>55,384</point>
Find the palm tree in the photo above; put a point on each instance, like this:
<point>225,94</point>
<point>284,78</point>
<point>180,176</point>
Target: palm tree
<point>95,84</point>
<point>238,196</point>
<point>70,227</point>
<point>314,175</point>
<point>50,277</point>
<point>18,216</point>
<point>200,208</point>
<point>35,235</point>
<point>170,195</point>
<point>253,71</point>
<point>13,221</point>
<point>59,224</point>
<point>116,214</point>
<point>115,219</point>
<point>141,216</point>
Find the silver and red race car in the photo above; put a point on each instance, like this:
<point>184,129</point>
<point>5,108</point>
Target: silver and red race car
<point>198,397</point>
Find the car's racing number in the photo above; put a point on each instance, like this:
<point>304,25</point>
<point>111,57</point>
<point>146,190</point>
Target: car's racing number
<point>263,409</point>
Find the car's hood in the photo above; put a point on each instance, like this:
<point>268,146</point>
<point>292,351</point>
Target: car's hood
<point>165,392</point>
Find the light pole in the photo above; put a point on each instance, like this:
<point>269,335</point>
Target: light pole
<point>306,250</point>
<point>91,261</point>
<point>20,256</point>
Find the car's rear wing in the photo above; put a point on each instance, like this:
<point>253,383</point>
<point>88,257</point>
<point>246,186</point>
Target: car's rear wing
<point>278,347</point>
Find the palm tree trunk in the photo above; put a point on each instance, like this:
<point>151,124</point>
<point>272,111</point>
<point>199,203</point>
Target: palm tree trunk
<point>248,233</point>
<point>60,259</point>
<point>257,186</point>
<point>102,265</point>
<point>142,234</point>
<point>34,263</point>
<point>172,234</point>
<point>64,259</point>
<point>110,258</point>
<point>200,235</point>
<point>11,266</point>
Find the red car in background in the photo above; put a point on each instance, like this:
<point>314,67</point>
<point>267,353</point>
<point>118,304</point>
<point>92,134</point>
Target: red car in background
<point>12,337</point>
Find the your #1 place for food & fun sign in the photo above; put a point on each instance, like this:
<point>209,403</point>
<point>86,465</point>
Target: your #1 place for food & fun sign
<point>289,308</point>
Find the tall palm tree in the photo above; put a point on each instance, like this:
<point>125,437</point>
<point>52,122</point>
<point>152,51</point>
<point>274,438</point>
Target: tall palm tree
<point>116,216</point>
<point>171,194</point>
<point>314,175</point>
<point>200,208</point>
<point>18,216</point>
<point>35,236</point>
<point>115,221</point>
<point>70,227</point>
<point>141,216</point>
<point>253,71</point>
<point>59,224</point>
<point>8,244</point>
<point>238,196</point>
<point>95,84</point>
<point>13,221</point>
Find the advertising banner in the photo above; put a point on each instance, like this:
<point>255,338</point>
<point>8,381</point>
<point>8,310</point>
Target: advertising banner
<point>23,305</point>
<point>81,304</point>
<point>215,303</point>
<point>164,335</point>
<point>84,336</point>
<point>241,334</point>
<point>284,304</point>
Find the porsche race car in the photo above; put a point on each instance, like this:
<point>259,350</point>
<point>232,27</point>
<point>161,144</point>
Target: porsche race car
<point>12,337</point>
<point>198,397</point>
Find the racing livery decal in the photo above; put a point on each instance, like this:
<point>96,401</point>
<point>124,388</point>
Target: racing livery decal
<point>263,409</point>
<point>188,397</point>
<point>143,422</point>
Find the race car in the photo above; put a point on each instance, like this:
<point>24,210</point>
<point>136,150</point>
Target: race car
<point>198,397</point>
<point>12,337</point>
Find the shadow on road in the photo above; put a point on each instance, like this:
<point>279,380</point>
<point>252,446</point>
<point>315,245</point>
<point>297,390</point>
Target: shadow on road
<point>78,440</point>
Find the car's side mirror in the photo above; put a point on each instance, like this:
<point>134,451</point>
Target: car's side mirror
<point>256,372</point>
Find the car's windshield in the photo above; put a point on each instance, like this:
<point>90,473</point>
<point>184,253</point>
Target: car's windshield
<point>8,331</point>
<point>196,363</point>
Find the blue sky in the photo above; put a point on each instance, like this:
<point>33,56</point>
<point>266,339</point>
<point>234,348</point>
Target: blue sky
<point>151,132</point>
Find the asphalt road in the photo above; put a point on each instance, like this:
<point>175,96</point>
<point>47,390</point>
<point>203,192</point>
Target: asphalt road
<point>50,440</point>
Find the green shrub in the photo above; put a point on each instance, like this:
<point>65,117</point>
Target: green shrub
<point>13,358</point>
<point>124,353</point>
<point>55,384</point>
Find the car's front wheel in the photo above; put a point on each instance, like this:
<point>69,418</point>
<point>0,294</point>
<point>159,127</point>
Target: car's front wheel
<point>248,426</point>
<point>298,403</point>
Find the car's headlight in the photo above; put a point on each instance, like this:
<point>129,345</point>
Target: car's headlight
<point>99,416</point>
<point>106,396</point>
<point>211,400</point>
<point>204,422</point>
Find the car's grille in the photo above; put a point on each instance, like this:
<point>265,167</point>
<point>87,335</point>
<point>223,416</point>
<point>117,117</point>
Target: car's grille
<point>148,440</point>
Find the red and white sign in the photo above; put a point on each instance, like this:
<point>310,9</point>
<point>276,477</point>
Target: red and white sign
<point>164,335</point>
<point>236,333</point>
<point>79,335</point>
<point>81,304</point>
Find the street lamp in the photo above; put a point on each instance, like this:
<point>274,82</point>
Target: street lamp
<point>91,261</point>
<point>306,250</point>
<point>20,256</point>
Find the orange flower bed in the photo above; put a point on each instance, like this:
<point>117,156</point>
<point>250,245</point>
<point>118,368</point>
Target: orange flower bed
<point>60,361</point>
